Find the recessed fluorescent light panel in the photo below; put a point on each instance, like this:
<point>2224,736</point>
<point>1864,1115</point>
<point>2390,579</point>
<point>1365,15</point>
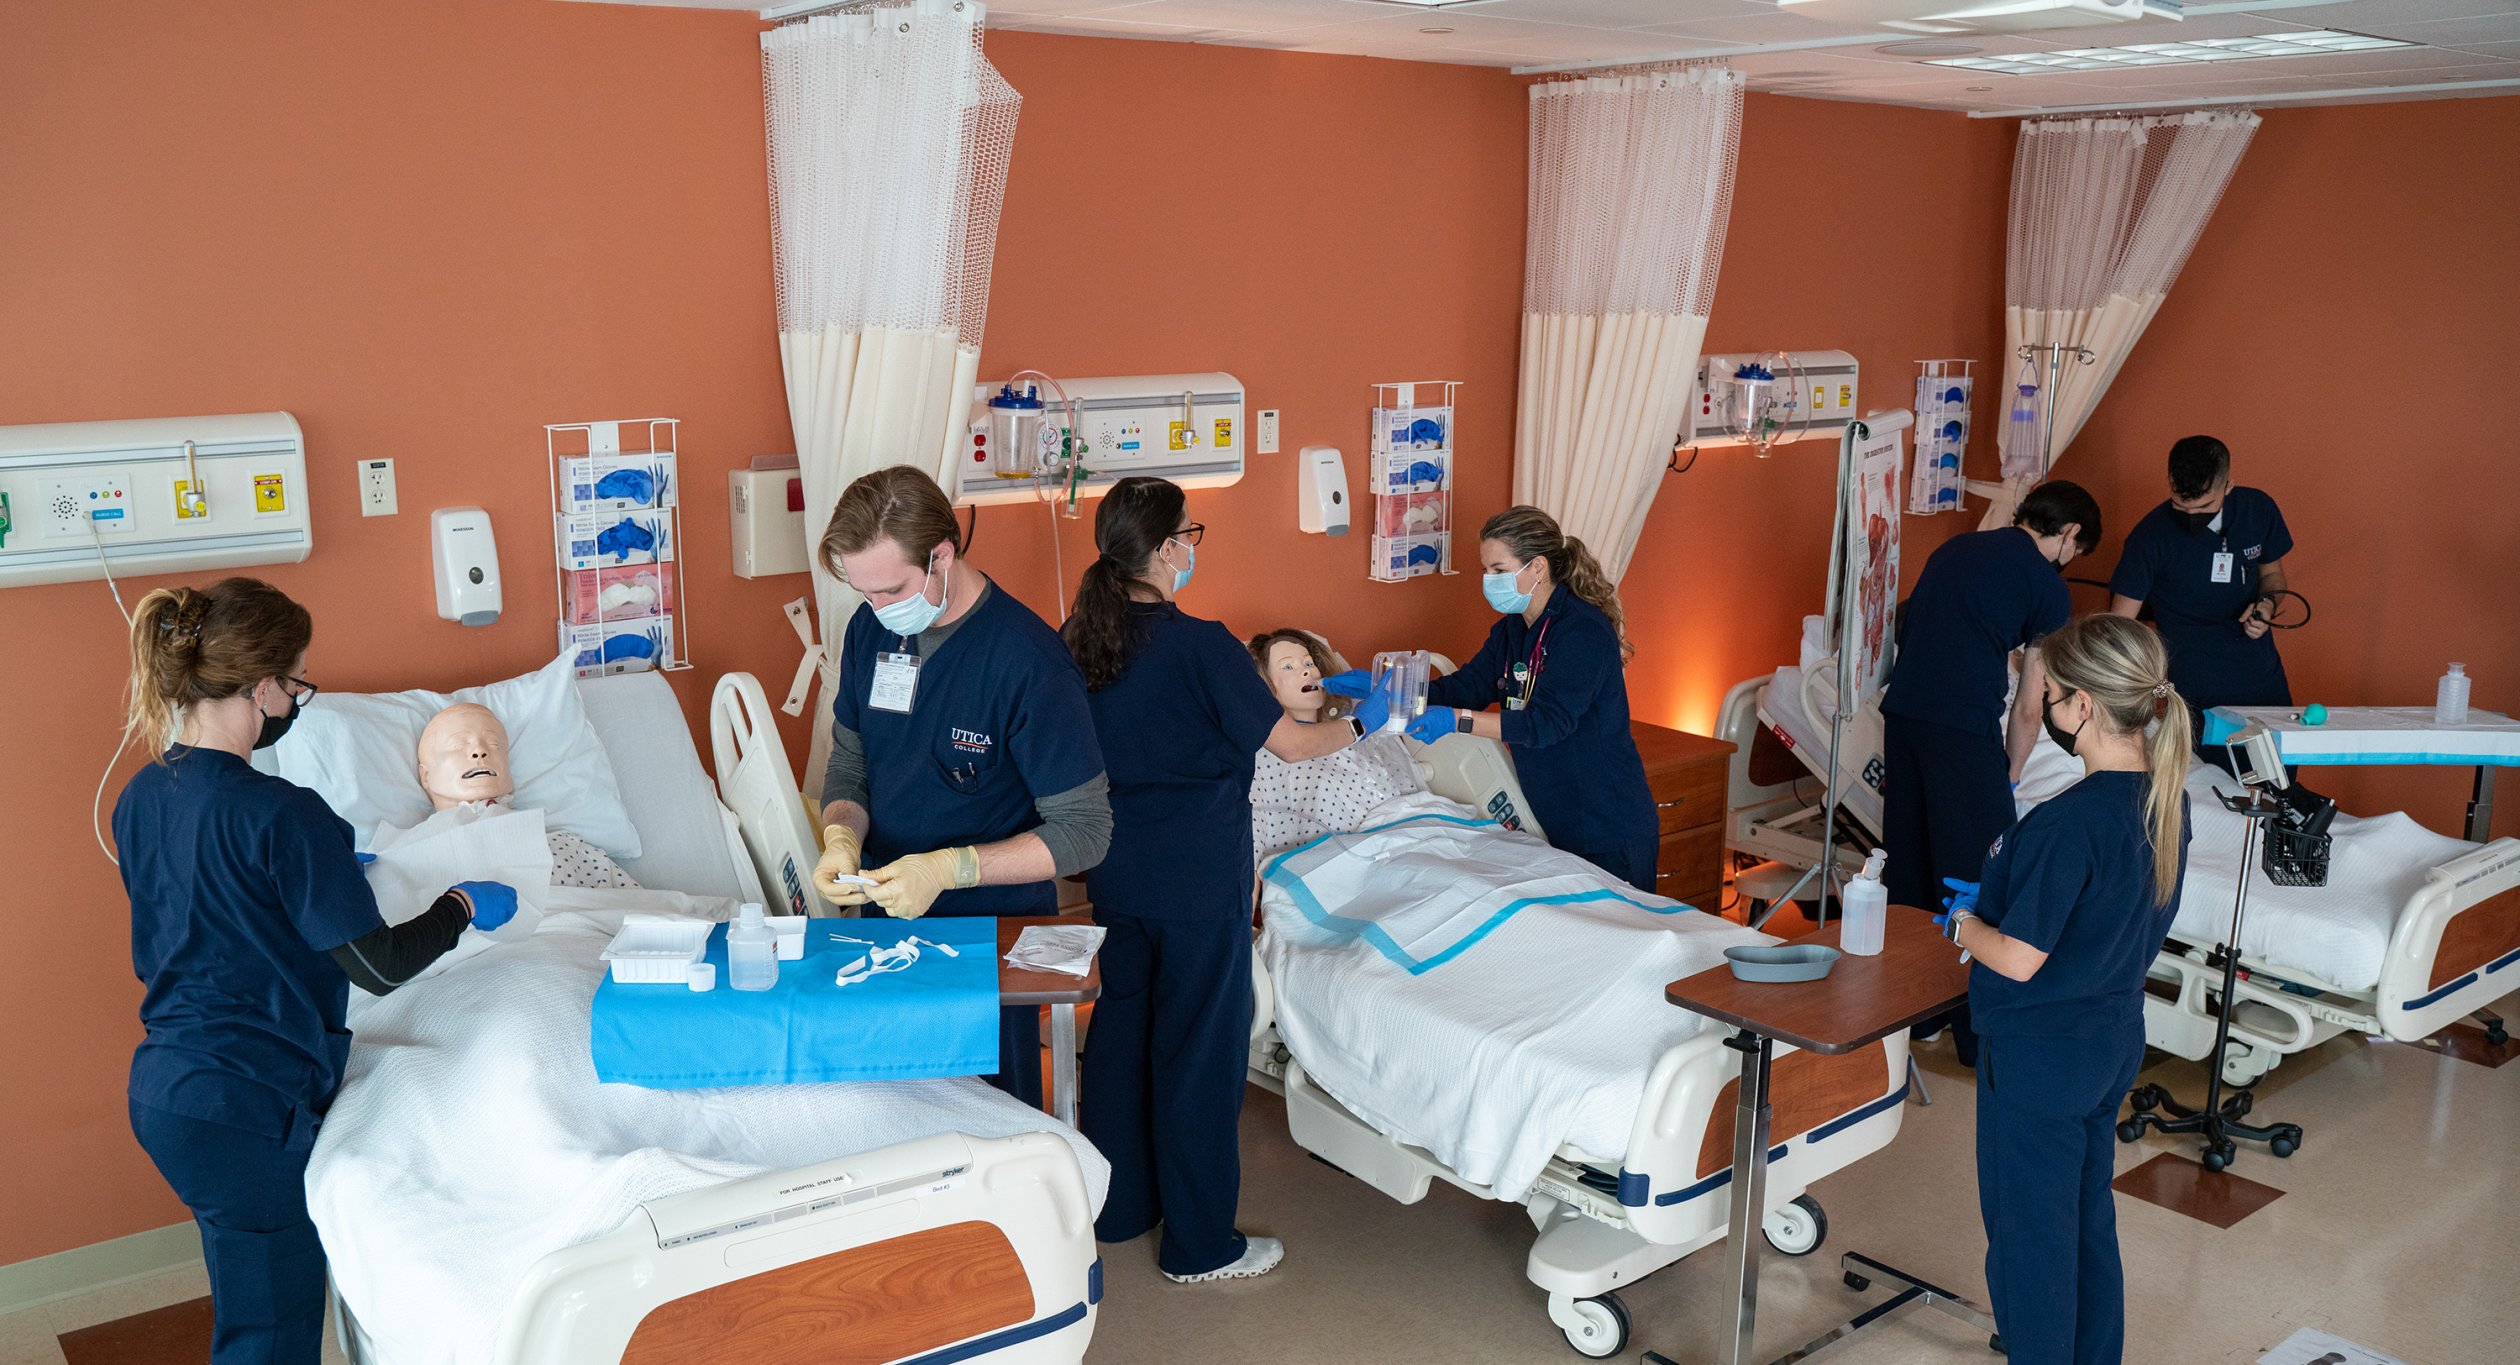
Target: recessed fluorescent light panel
<point>1434,4</point>
<point>2313,43</point>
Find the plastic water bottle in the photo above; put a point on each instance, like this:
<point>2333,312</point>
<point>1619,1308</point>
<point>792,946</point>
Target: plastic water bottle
<point>752,951</point>
<point>1867,908</point>
<point>2451,697</point>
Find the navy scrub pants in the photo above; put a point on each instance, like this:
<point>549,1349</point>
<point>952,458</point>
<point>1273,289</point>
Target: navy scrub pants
<point>247,1193</point>
<point>1163,1083</point>
<point>1946,793</point>
<point>2046,1135</point>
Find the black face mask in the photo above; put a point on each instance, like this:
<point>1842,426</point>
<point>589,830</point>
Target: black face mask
<point>2198,523</point>
<point>273,727</point>
<point>2064,738</point>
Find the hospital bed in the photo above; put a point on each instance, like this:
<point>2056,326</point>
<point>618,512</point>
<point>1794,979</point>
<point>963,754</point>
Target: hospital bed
<point>925,1221</point>
<point>1628,1198</point>
<point>2413,931</point>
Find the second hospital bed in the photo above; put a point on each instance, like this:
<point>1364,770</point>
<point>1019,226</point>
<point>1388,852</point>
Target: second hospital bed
<point>1443,997</point>
<point>2412,931</point>
<point>483,1198</point>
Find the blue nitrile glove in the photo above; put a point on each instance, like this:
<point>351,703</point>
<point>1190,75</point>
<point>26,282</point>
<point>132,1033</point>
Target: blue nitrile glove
<point>1438,722</point>
<point>1374,712</point>
<point>364,859</point>
<point>1356,682</point>
<point>493,903</point>
<point>1962,900</point>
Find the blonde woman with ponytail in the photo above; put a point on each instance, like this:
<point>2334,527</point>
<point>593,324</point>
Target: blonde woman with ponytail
<point>250,920</point>
<point>1553,667</point>
<point>2074,902</point>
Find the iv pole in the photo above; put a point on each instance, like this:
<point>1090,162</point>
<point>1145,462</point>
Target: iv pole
<point>2056,353</point>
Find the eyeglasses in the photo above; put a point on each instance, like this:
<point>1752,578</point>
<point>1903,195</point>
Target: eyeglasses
<point>305,693</point>
<point>1189,534</point>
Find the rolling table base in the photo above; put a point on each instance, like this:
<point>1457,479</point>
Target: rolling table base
<point>1063,1064</point>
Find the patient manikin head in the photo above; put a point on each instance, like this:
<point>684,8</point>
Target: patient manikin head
<point>464,757</point>
<point>1293,663</point>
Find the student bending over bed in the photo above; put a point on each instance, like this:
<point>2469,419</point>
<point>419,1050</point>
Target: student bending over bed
<point>1294,803</point>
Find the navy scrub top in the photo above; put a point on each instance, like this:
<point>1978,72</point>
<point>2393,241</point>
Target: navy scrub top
<point>2073,879</point>
<point>1980,597</point>
<point>997,722</point>
<point>2213,662</point>
<point>241,885</point>
<point>1181,730</point>
<point>1573,750</point>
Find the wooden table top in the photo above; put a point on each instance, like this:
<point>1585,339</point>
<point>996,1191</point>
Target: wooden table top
<point>1017,986</point>
<point>1916,976</point>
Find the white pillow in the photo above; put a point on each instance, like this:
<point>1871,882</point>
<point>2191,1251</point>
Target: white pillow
<point>359,751</point>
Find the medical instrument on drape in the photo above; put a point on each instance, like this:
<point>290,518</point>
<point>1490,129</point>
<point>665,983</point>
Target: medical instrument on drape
<point>1943,391</point>
<point>752,951</point>
<point>1401,677</point>
<point>2030,432</point>
<point>1414,441</point>
<point>616,516</point>
<point>2259,764</point>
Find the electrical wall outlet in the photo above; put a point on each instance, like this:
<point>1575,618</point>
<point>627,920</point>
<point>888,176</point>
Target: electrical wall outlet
<point>376,488</point>
<point>1264,436</point>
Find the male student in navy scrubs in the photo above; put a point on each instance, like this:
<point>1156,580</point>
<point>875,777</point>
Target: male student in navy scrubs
<point>964,774</point>
<point>2207,562</point>
<point>1948,761</point>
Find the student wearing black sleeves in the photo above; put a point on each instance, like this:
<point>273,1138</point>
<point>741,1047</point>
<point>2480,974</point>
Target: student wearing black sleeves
<point>250,921</point>
<point>963,767</point>
<point>1181,717</point>
<point>2208,563</point>
<point>1555,666</point>
<point>2074,904</point>
<point>1948,758</point>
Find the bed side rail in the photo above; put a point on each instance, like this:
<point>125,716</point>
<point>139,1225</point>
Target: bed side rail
<point>756,783</point>
<point>2456,946</point>
<point>982,1245</point>
<point>1479,773</point>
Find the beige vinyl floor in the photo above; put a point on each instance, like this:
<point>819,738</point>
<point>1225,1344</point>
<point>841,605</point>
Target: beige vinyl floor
<point>2398,1227</point>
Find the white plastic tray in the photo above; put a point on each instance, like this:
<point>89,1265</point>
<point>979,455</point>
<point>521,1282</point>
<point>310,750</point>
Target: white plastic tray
<point>656,952</point>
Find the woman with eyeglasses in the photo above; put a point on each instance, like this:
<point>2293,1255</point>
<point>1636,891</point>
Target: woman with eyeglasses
<point>1181,716</point>
<point>250,920</point>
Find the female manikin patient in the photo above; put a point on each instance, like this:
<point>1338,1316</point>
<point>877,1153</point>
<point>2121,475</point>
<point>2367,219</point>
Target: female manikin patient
<point>1292,803</point>
<point>463,756</point>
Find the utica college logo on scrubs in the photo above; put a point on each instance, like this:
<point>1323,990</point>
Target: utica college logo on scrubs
<point>968,741</point>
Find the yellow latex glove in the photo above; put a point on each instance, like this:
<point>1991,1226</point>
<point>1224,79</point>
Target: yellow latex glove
<point>839,859</point>
<point>906,887</point>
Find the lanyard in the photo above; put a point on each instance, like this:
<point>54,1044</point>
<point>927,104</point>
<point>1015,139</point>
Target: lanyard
<point>1526,675</point>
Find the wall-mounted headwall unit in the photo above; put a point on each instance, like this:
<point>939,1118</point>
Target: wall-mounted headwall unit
<point>158,494</point>
<point>1184,427</point>
<point>1813,394</point>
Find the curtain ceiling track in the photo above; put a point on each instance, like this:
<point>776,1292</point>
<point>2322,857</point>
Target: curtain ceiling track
<point>2252,101</point>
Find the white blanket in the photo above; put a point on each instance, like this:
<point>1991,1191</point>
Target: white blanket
<point>471,842</point>
<point>471,1137</point>
<point>1533,1035</point>
<point>2338,933</point>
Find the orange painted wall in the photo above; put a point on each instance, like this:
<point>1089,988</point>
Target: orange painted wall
<point>2354,246</point>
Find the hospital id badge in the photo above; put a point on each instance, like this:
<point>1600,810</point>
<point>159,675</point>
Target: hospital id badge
<point>2222,567</point>
<point>896,683</point>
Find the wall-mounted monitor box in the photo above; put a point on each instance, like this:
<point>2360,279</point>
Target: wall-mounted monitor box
<point>128,488</point>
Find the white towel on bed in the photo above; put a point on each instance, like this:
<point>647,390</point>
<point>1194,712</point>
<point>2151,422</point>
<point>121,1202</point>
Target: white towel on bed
<point>1538,1035</point>
<point>472,1137</point>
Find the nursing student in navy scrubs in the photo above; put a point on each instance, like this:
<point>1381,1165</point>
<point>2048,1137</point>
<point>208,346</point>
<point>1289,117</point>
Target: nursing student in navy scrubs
<point>1181,716</point>
<point>963,775</point>
<point>2207,562</point>
<point>250,921</point>
<point>2075,901</point>
<point>1555,669</point>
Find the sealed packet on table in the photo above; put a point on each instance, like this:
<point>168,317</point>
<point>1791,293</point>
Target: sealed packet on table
<point>1063,948</point>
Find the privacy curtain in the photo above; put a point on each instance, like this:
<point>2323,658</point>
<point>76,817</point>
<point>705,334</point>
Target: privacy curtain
<point>1631,185</point>
<point>2104,213</point>
<point>889,134</point>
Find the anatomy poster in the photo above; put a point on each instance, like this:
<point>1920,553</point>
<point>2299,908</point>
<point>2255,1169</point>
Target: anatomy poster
<point>1873,540</point>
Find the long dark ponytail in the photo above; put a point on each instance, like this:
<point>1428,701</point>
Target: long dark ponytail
<point>1136,517</point>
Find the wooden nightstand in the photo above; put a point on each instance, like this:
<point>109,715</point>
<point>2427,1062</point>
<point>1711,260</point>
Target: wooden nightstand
<point>1687,774</point>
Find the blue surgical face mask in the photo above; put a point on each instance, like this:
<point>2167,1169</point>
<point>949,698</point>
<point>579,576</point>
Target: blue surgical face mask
<point>1181,576</point>
<point>914,613</point>
<point>1504,591</point>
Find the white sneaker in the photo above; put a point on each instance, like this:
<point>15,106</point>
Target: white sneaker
<point>1260,1256</point>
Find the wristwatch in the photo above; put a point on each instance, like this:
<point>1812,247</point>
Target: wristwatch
<point>1951,923</point>
<point>1356,727</point>
<point>1462,721</point>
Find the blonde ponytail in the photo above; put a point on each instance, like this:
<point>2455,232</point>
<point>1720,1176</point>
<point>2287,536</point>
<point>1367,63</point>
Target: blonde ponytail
<point>2126,673</point>
<point>192,645</point>
<point>1533,534</point>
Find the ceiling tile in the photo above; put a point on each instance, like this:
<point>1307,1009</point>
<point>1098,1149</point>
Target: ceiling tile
<point>1607,13</point>
<point>1752,26</point>
<point>2506,51</point>
<point>1242,15</point>
<point>2494,28</point>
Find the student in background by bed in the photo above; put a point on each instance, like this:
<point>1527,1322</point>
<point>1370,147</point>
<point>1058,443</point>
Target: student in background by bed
<point>1180,715</point>
<point>1292,803</point>
<point>1555,667</point>
<point>962,753</point>
<point>250,919</point>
